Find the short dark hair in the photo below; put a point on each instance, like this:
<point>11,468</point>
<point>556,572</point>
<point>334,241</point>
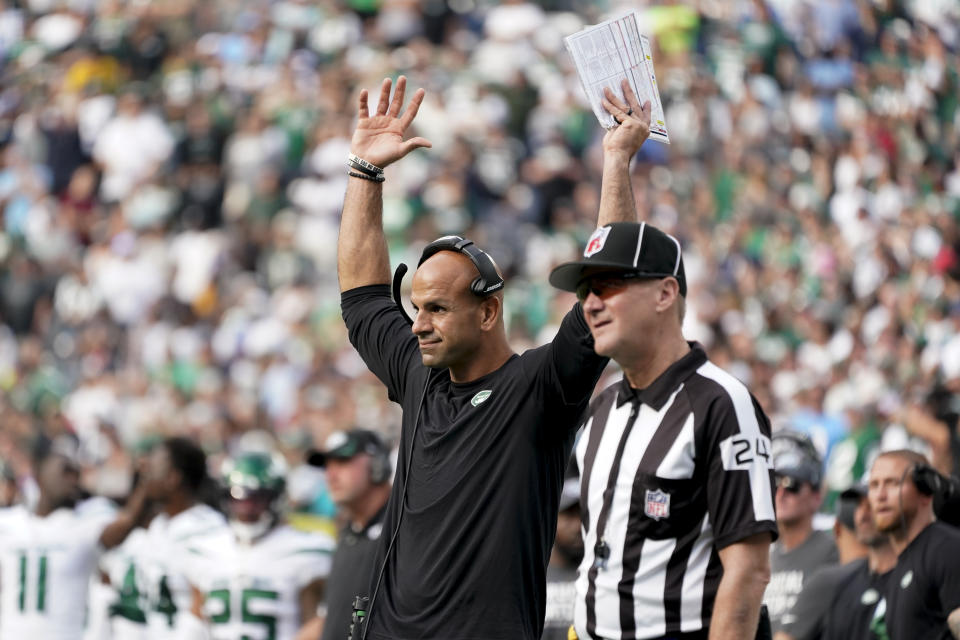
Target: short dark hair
<point>42,447</point>
<point>190,460</point>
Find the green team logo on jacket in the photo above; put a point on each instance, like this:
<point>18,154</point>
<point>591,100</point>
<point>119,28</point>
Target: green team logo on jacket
<point>481,397</point>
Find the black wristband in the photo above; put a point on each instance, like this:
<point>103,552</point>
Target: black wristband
<point>356,167</point>
<point>362,165</point>
<point>364,176</point>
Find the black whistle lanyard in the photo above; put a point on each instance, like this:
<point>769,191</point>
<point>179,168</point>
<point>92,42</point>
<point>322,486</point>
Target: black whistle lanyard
<point>601,550</point>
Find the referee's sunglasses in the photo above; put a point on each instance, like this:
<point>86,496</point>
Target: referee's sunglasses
<point>604,286</point>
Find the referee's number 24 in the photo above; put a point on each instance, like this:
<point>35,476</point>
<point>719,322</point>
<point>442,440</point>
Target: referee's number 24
<point>740,452</point>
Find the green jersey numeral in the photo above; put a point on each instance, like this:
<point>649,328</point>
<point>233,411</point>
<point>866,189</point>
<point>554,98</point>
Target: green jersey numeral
<point>270,622</point>
<point>165,603</point>
<point>246,596</point>
<point>128,604</point>
<point>41,582</point>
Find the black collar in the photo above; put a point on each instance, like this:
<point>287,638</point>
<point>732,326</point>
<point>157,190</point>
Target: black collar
<point>657,394</point>
<point>375,520</point>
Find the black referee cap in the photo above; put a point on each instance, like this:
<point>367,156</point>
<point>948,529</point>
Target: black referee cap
<point>625,247</point>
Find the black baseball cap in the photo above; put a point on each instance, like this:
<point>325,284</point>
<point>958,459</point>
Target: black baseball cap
<point>847,503</point>
<point>343,445</point>
<point>625,247</point>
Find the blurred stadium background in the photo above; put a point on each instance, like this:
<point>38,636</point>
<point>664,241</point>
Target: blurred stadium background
<point>171,174</point>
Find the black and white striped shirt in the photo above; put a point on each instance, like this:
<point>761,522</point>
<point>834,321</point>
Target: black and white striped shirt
<point>670,475</point>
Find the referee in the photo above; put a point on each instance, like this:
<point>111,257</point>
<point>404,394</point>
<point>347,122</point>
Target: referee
<point>677,481</point>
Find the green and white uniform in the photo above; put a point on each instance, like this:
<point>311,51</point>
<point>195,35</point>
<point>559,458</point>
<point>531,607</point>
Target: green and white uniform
<point>149,574</point>
<point>45,568</point>
<point>129,603</point>
<point>252,591</point>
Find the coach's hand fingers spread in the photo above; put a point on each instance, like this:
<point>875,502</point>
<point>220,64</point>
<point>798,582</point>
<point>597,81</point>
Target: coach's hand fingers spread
<point>378,138</point>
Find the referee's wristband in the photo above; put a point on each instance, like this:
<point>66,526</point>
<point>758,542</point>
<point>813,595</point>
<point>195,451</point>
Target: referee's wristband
<point>364,176</point>
<point>360,164</point>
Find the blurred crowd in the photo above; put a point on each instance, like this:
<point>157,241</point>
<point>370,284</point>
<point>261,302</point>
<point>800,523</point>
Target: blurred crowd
<point>171,174</point>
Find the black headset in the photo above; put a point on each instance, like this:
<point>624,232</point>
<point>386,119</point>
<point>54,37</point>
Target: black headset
<point>489,281</point>
<point>379,465</point>
<point>926,479</point>
<point>483,285</point>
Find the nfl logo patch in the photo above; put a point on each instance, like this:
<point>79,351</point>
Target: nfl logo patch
<point>657,505</point>
<point>596,242</point>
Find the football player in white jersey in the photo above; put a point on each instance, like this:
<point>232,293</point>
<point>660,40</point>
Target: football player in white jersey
<point>48,554</point>
<point>264,580</point>
<point>153,594</point>
<point>128,602</point>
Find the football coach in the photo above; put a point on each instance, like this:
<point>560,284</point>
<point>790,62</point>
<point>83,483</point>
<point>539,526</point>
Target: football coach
<point>486,432</point>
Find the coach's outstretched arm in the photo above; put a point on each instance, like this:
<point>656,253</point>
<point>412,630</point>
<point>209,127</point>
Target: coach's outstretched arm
<point>746,572</point>
<point>620,144</point>
<point>362,257</point>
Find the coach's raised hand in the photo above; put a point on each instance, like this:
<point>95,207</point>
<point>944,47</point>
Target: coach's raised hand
<point>362,257</point>
<point>378,138</point>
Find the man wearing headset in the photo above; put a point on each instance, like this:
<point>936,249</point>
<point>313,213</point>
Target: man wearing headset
<point>922,599</point>
<point>486,432</point>
<point>358,471</point>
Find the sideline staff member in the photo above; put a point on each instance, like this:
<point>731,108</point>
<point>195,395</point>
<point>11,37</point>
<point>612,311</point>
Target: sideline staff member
<point>801,550</point>
<point>358,476</point>
<point>853,603</point>
<point>677,482</point>
<point>486,432</point>
<point>923,593</point>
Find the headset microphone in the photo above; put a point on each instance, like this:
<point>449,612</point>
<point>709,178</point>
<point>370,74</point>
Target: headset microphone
<point>397,281</point>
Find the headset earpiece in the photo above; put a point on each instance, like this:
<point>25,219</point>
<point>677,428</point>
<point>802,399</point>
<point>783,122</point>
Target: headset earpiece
<point>926,479</point>
<point>379,467</point>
